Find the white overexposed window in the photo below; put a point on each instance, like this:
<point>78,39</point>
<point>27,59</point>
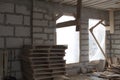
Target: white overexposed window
<point>68,36</point>
<point>99,32</point>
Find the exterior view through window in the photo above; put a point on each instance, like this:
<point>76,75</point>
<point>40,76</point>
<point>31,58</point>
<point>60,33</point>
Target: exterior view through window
<point>68,36</point>
<point>99,32</point>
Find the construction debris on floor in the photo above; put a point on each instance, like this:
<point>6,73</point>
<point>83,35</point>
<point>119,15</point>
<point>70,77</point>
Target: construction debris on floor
<point>112,73</point>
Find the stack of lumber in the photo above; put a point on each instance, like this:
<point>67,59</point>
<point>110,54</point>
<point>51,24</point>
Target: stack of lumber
<point>43,62</point>
<point>114,69</point>
<point>112,73</point>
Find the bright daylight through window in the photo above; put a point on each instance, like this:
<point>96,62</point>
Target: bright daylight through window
<point>68,36</point>
<point>99,32</point>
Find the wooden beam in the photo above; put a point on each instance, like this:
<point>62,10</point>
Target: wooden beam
<point>58,16</point>
<point>78,17</point>
<point>1,65</point>
<point>111,19</point>
<point>66,24</point>
<point>107,27</point>
<point>91,31</point>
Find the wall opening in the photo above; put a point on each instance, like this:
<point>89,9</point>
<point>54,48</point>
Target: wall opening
<point>68,36</point>
<point>99,32</point>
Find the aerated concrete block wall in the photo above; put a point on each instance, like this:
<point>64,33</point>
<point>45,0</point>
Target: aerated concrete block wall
<point>16,30</point>
<point>114,38</point>
<point>14,33</point>
<point>43,27</point>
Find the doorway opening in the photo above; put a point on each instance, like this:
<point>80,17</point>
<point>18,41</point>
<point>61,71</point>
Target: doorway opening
<point>68,36</point>
<point>99,32</point>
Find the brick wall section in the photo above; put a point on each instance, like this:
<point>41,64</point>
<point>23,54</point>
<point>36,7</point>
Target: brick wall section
<point>14,33</point>
<point>43,27</point>
<point>115,37</point>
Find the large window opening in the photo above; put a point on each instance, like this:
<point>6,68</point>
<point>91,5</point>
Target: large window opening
<point>68,36</point>
<point>99,32</point>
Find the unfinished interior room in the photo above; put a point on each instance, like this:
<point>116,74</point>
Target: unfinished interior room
<point>59,39</point>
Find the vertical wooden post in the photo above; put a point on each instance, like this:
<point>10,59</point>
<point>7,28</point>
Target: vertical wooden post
<point>1,65</point>
<point>31,21</point>
<point>111,18</point>
<point>78,16</point>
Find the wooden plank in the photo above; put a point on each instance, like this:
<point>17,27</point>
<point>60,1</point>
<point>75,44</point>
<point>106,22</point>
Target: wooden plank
<point>66,24</point>
<point>78,16</point>
<point>111,19</point>
<point>58,16</point>
<point>91,31</point>
<point>1,64</point>
<point>51,68</point>
<point>5,63</point>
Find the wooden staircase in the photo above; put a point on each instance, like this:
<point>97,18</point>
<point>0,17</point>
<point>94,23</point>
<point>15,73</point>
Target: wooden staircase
<point>43,62</point>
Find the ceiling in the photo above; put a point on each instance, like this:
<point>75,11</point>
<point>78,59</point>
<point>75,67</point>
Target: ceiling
<point>99,4</point>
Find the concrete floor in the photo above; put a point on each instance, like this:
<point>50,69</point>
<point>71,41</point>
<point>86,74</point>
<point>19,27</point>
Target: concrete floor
<point>84,77</point>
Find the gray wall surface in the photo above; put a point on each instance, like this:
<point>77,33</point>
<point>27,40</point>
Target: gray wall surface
<point>113,40</point>
<point>16,29</point>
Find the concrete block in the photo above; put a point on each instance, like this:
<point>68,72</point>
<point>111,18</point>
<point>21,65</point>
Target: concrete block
<point>115,37</point>
<point>48,17</point>
<point>117,16</point>
<point>40,35</point>
<point>107,42</point>
<point>117,27</point>
<point>49,30</point>
<point>22,31</point>
<point>27,41</point>
<point>117,32</point>
<point>1,42</point>
<point>22,9</point>
<point>84,31</point>
<point>14,43</point>
<point>1,18</point>
<point>51,36</point>
<point>84,59</point>
<point>84,53</point>
<point>19,75</point>
<point>16,66</point>
<point>37,15</point>
<point>18,54</point>
<point>85,47</point>
<point>36,9</point>
<point>117,41</point>
<point>73,69</point>
<point>115,46</point>
<point>52,24</point>
<point>107,51</point>
<point>26,20</point>
<point>38,41</point>
<point>84,27</point>
<point>40,23</point>
<point>6,7</point>
<point>85,42</point>
<point>37,29</point>
<point>85,36</point>
<point>49,42</point>
<point>11,52</point>
<point>117,52</point>
<point>6,30</point>
<point>14,19</point>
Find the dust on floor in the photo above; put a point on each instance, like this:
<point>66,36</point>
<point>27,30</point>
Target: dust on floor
<point>84,77</point>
